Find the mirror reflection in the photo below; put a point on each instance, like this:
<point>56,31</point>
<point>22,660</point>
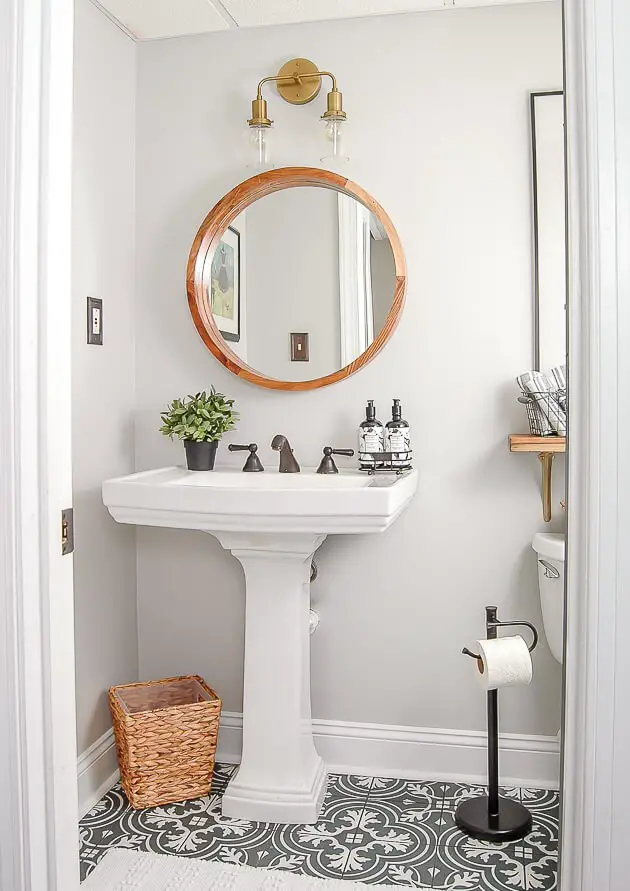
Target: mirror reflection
<point>302,282</point>
<point>547,111</point>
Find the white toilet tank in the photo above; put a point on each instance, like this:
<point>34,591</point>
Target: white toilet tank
<point>550,548</point>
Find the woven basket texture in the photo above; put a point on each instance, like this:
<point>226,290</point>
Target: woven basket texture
<point>166,737</point>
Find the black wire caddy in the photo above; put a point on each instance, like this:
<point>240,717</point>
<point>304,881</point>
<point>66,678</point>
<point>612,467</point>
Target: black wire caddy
<point>385,462</point>
<point>491,817</point>
<point>542,408</point>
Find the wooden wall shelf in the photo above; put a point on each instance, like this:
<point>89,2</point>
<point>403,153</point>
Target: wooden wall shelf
<point>546,447</point>
<point>522,442</point>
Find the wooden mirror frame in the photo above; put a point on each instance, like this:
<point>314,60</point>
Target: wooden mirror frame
<point>217,222</point>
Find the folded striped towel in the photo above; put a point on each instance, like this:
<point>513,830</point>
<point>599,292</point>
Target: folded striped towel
<point>559,375</point>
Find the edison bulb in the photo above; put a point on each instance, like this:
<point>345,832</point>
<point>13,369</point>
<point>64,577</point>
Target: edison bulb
<point>260,139</point>
<point>334,133</point>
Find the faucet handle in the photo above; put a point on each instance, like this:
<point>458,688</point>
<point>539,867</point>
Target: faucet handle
<point>327,464</point>
<point>253,463</point>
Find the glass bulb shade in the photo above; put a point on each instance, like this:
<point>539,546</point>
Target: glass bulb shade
<point>260,147</point>
<point>335,135</point>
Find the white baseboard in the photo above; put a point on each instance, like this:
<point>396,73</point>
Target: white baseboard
<point>417,752</point>
<point>97,770</point>
<point>368,750</point>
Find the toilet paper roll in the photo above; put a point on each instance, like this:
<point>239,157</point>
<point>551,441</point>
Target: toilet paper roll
<point>504,662</point>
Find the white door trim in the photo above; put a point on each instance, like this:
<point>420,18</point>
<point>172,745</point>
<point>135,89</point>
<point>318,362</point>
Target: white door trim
<point>597,681</point>
<point>38,830</point>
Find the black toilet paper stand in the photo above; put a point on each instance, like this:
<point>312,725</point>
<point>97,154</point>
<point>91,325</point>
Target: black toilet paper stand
<point>491,817</point>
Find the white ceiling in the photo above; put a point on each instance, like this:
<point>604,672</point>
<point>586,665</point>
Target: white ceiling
<point>155,19</point>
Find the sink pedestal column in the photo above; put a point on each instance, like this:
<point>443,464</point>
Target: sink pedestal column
<point>281,778</point>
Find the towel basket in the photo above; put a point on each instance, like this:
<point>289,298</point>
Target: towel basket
<point>539,407</point>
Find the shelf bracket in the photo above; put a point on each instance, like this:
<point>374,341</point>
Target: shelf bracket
<point>546,447</point>
<point>547,464</point>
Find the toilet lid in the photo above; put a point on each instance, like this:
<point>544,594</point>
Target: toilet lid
<point>550,545</point>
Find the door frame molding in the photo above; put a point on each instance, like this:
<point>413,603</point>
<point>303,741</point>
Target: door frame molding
<point>37,740</point>
<point>596,773</point>
<point>38,827</point>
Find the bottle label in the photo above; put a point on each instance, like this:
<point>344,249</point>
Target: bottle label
<point>370,440</point>
<point>399,442</point>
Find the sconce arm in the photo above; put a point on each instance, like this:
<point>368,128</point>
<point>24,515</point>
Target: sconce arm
<point>295,78</point>
<point>331,76</point>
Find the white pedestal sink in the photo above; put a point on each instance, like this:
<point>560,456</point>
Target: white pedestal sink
<point>272,523</point>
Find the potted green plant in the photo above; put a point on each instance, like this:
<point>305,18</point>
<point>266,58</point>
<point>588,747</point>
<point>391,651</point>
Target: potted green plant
<point>201,421</point>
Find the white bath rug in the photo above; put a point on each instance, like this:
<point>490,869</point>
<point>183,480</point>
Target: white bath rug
<point>124,870</point>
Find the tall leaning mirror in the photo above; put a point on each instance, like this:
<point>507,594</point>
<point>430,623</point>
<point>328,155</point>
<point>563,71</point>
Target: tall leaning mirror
<point>296,279</point>
<point>549,196</point>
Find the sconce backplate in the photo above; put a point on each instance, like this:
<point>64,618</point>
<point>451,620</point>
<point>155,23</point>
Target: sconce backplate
<point>306,88</point>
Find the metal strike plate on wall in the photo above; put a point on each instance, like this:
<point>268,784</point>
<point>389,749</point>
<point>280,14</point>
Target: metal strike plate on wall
<point>67,531</point>
<point>95,321</point>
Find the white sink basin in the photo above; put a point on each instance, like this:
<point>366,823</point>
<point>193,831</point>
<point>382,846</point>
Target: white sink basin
<point>350,501</point>
<point>272,523</point>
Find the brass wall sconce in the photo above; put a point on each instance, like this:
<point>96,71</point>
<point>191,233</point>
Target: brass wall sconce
<point>299,82</point>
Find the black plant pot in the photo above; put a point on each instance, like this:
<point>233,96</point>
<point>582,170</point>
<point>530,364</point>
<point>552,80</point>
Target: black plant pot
<point>200,455</point>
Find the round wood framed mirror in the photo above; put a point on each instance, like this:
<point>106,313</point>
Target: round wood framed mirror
<point>296,279</point>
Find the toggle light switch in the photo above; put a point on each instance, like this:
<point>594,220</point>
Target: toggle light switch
<point>299,348</point>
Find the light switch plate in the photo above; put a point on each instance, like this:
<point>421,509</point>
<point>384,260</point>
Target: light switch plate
<point>299,347</point>
<point>95,321</point>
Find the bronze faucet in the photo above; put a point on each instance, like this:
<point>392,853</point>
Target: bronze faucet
<point>288,464</point>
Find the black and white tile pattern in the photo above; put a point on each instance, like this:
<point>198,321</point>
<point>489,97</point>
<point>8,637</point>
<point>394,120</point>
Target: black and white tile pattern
<point>371,830</point>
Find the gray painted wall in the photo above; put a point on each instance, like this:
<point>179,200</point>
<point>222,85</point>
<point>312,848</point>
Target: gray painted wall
<point>450,163</point>
<point>103,378</point>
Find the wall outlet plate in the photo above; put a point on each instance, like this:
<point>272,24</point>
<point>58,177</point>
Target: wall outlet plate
<point>95,321</point>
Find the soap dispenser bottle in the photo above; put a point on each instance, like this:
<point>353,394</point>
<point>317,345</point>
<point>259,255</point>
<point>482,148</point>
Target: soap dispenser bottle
<point>398,437</point>
<point>371,437</point>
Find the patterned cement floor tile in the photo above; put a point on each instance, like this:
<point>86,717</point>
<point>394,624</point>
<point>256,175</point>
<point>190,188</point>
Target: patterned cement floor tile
<point>325,846</point>
<point>542,801</point>
<point>355,787</point>
<point>471,864</point>
<point>390,789</point>
<point>394,833</point>
<point>222,775</point>
<point>372,830</point>
<point>540,860</point>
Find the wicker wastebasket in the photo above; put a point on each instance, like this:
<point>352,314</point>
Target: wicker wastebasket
<point>166,737</point>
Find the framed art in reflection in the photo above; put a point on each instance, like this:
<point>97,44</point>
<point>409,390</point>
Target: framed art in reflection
<point>225,285</point>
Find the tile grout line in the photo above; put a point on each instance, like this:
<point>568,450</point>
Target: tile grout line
<point>367,798</point>
<point>437,841</point>
<point>522,841</point>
